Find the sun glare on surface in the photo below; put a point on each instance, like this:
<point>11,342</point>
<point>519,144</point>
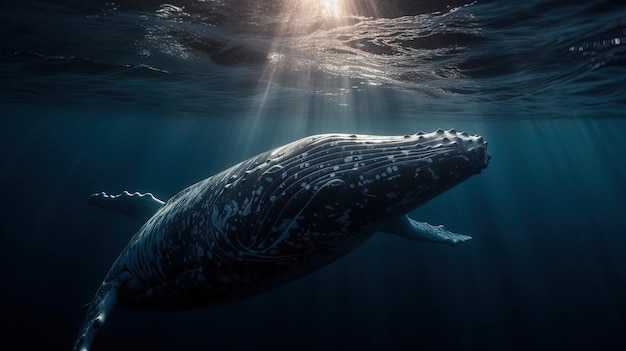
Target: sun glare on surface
<point>331,8</point>
<point>305,54</point>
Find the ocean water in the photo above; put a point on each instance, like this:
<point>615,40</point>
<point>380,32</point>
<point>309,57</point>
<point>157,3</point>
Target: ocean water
<point>144,96</point>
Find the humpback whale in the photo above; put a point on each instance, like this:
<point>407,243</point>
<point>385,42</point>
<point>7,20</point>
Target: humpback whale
<point>278,216</point>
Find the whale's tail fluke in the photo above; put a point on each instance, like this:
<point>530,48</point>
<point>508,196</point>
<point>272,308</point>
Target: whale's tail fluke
<point>97,312</point>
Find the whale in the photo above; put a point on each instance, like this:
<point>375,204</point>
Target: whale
<point>276,217</point>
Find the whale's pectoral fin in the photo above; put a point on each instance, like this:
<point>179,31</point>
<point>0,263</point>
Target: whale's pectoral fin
<point>422,231</point>
<point>134,205</point>
<point>97,312</point>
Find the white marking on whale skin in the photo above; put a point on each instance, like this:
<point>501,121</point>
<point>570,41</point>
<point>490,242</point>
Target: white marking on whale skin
<point>433,174</point>
<point>259,190</point>
<point>345,218</point>
<point>220,218</point>
<point>247,209</point>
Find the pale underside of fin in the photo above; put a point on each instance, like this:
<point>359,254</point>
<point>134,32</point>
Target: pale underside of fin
<point>422,231</point>
<point>135,205</point>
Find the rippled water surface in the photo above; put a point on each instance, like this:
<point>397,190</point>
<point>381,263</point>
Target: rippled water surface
<point>538,58</point>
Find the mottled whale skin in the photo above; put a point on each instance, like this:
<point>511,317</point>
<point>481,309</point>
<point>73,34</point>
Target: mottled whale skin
<point>278,216</point>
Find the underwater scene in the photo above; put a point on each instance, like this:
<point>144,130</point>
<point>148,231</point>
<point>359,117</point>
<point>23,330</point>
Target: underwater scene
<point>272,175</point>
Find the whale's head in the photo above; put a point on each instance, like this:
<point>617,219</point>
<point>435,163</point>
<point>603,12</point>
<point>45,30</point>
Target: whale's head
<point>348,183</point>
<point>396,174</point>
<point>326,188</point>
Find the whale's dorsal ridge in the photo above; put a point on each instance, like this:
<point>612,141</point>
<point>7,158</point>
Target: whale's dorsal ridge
<point>422,231</point>
<point>138,206</point>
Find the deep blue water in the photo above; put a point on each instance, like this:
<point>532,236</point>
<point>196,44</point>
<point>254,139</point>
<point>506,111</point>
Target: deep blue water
<point>144,96</point>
